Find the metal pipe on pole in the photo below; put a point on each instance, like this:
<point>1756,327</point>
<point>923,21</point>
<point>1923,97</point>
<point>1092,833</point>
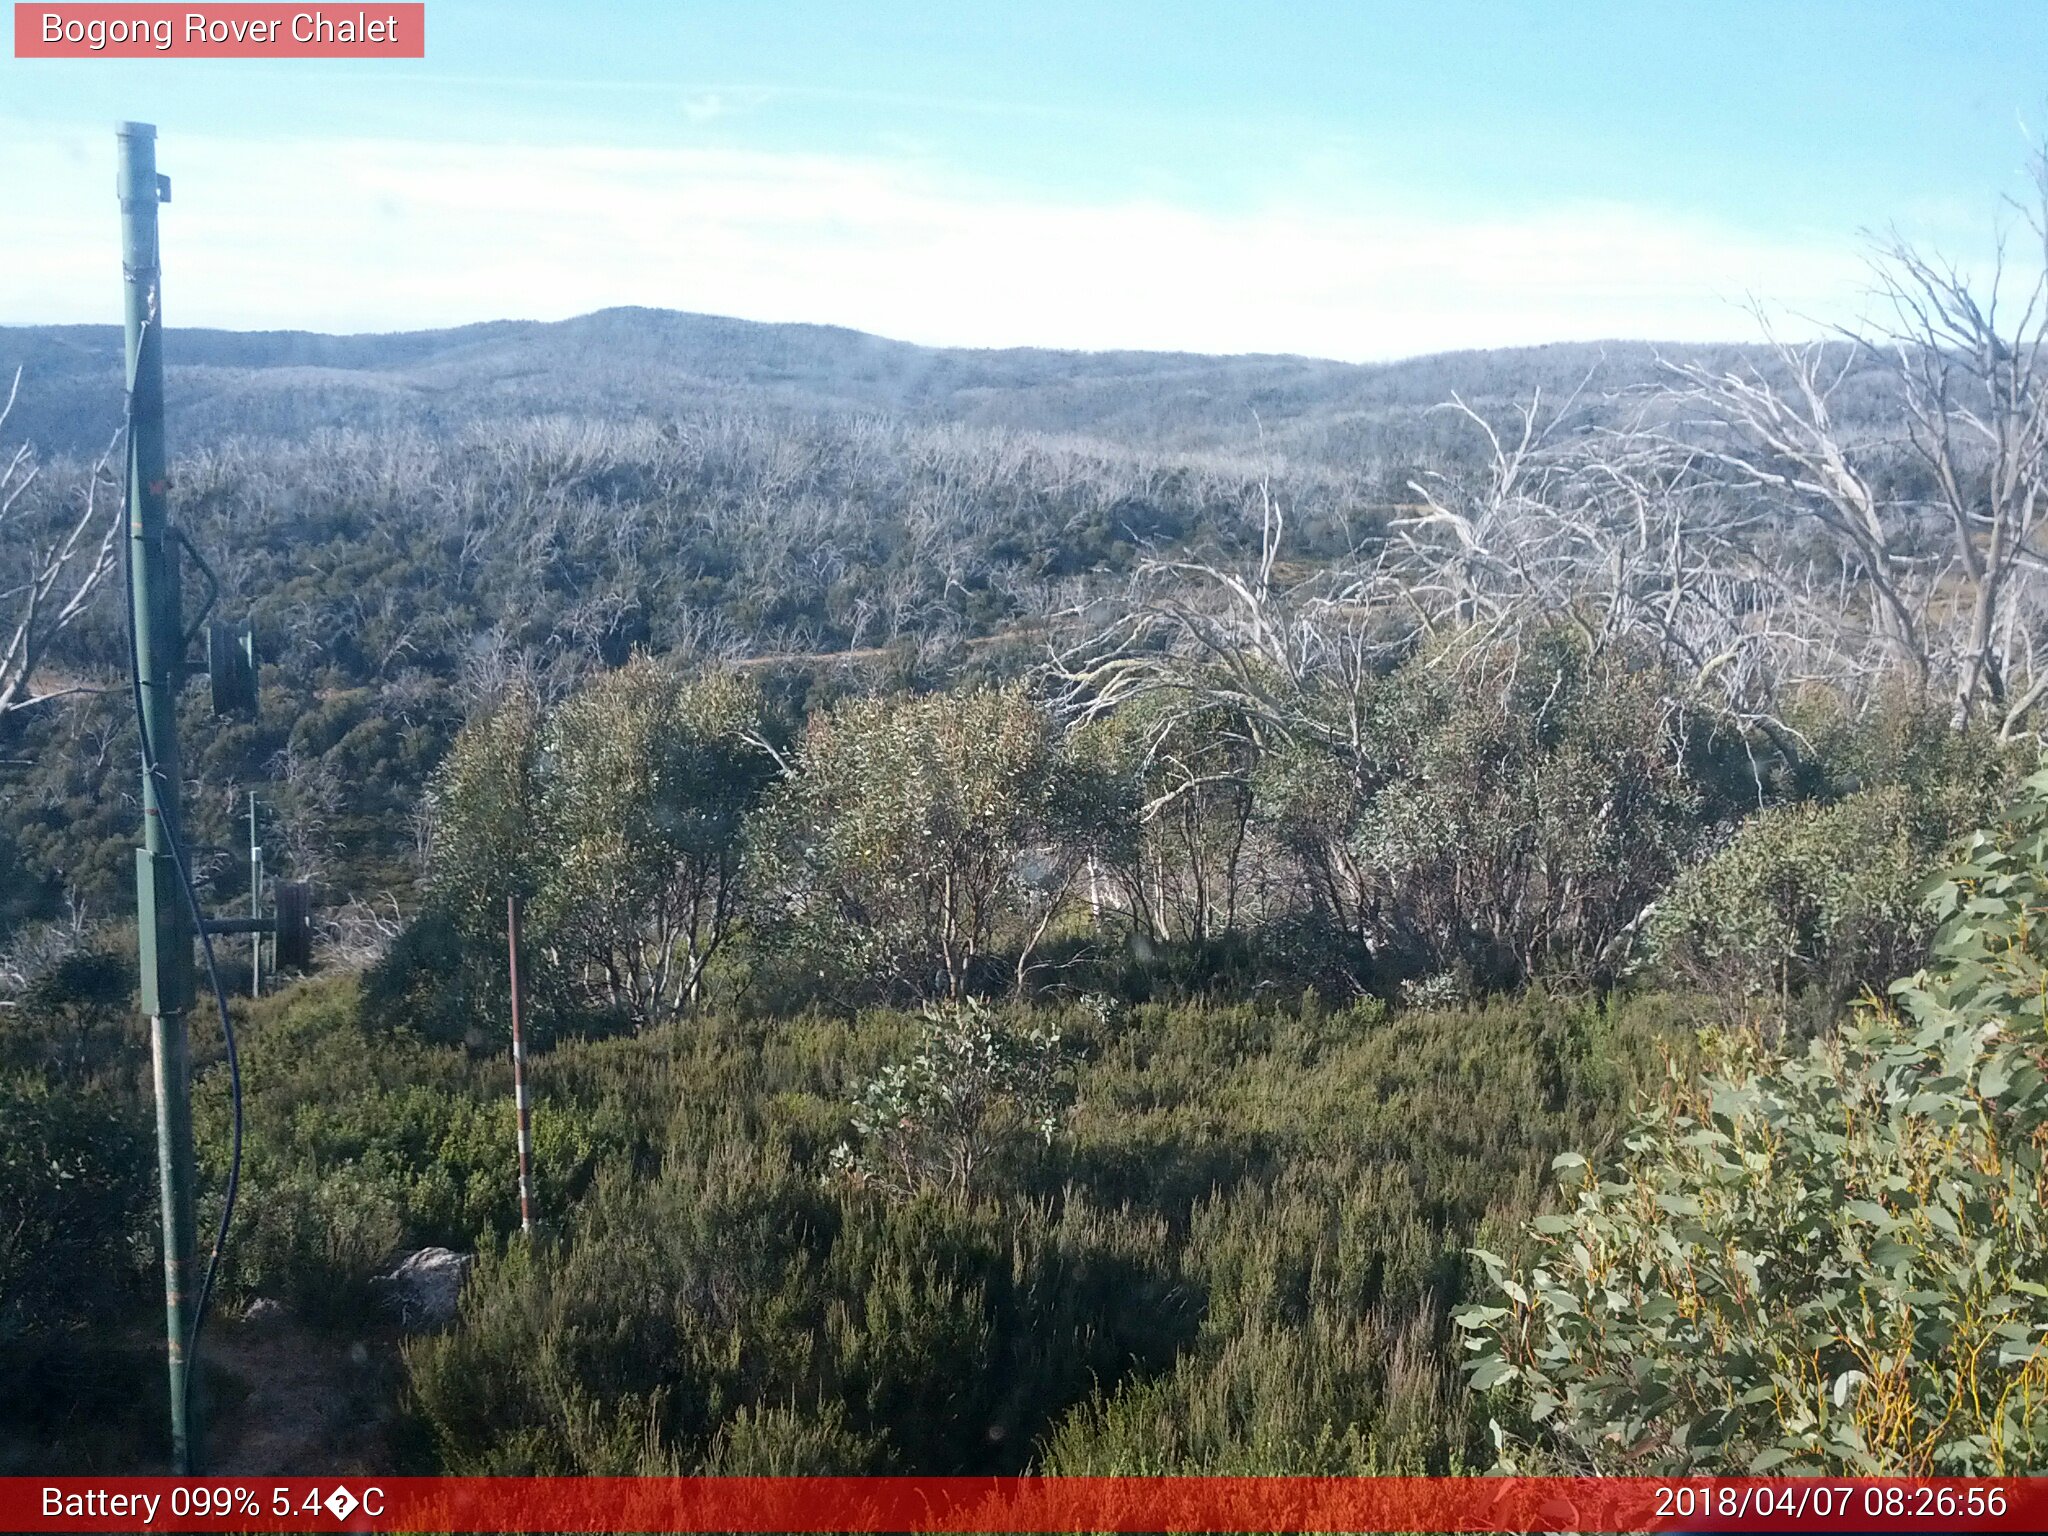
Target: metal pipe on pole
<point>519,1103</point>
<point>163,930</point>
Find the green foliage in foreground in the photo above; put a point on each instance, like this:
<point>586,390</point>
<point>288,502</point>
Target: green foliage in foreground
<point>77,1206</point>
<point>1833,1261</point>
<point>76,1158</point>
<point>359,1145</point>
<point>73,1178</point>
<point>1250,1229</point>
<point>1249,1226</point>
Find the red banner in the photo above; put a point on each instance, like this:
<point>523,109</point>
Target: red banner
<point>239,31</point>
<point>967,1504</point>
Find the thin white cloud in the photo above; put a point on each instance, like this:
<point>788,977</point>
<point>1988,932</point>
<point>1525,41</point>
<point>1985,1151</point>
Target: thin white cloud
<point>380,235</point>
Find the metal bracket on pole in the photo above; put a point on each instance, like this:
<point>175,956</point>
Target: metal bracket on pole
<point>165,966</point>
<point>231,668</point>
<point>290,923</point>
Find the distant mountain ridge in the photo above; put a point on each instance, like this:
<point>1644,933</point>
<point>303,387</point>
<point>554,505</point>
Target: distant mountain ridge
<point>636,362</point>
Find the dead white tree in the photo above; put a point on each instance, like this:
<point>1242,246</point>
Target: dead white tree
<point>1840,517</point>
<point>1291,658</point>
<point>1608,526</point>
<point>1252,661</point>
<point>51,571</point>
<point>1935,524</point>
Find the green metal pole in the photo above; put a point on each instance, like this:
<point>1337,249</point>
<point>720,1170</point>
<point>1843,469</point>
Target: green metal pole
<point>163,927</point>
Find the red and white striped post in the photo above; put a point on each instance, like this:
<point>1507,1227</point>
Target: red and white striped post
<point>519,1075</point>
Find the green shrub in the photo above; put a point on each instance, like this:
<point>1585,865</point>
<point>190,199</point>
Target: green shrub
<point>1497,812</point>
<point>74,1020</point>
<point>1301,1177</point>
<point>1341,1396</point>
<point>361,1143</point>
<point>784,1442</point>
<point>314,1240</point>
<point>75,1187</point>
<point>616,813</point>
<point>434,981</point>
<point>918,841</point>
<point>1805,898</point>
<point>635,1335</point>
<point>920,1334</point>
<point>1830,1261</point>
<point>976,1092</point>
<point>1251,1224</point>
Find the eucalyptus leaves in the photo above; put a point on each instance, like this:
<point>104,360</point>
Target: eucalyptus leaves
<point>1830,1261</point>
<point>974,1095</point>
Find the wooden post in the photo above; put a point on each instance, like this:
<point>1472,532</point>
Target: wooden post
<point>519,1075</point>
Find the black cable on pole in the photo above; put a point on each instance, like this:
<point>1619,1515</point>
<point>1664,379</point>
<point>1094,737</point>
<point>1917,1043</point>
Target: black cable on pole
<point>154,771</point>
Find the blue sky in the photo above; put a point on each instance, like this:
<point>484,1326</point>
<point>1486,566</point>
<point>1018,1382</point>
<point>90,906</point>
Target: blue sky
<point>1354,180</point>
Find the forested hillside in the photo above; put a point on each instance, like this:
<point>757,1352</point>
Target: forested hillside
<point>622,363</point>
<point>1076,903</point>
<point>542,497</point>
